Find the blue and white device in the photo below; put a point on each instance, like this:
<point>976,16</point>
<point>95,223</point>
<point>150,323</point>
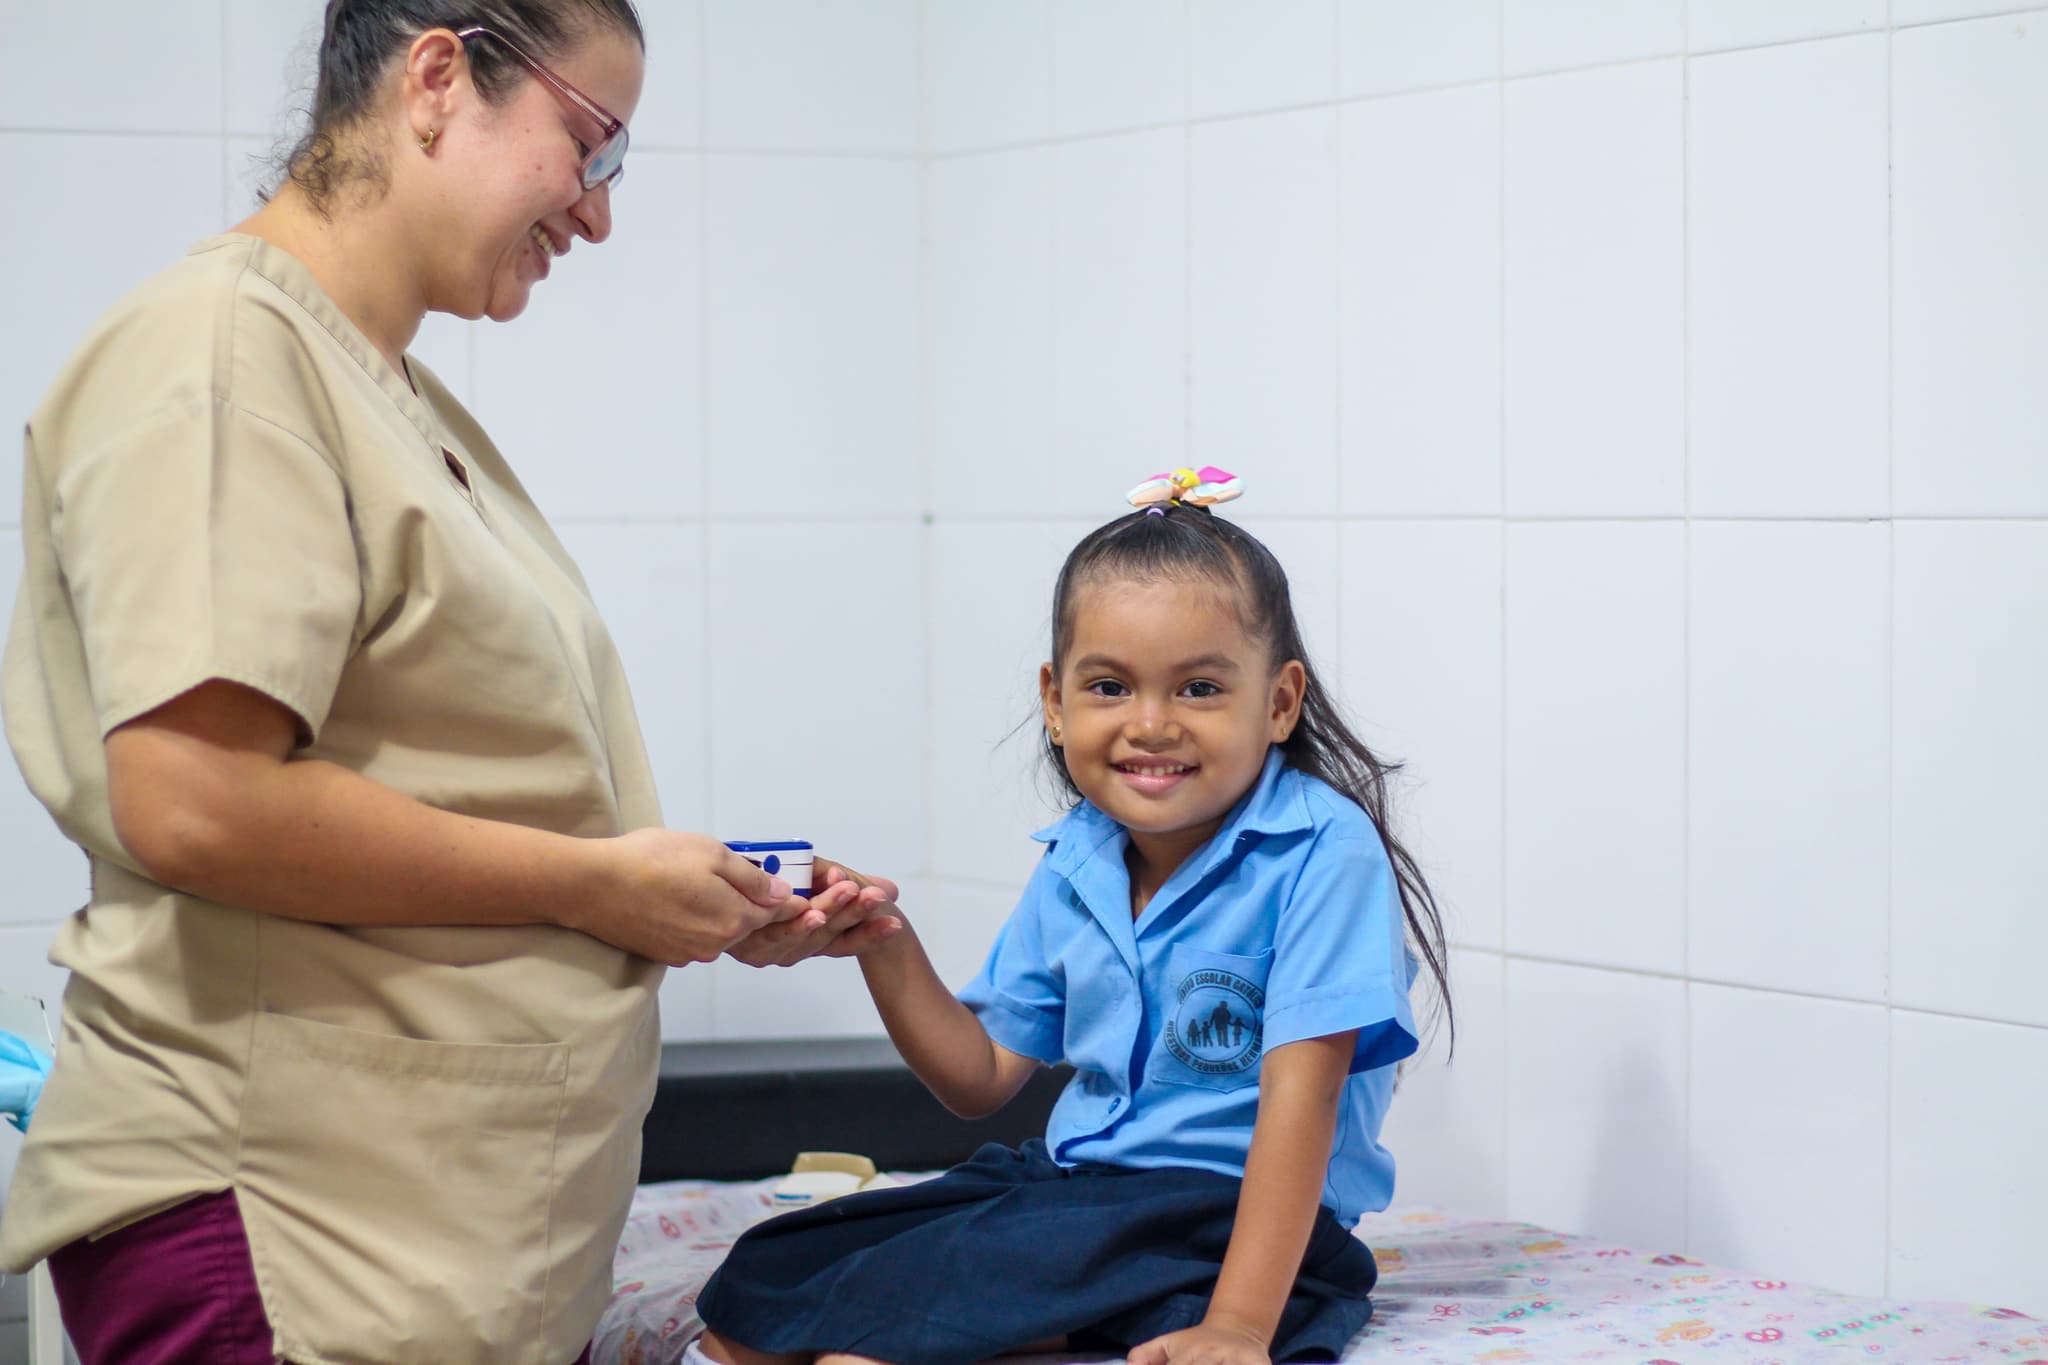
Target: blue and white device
<point>789,859</point>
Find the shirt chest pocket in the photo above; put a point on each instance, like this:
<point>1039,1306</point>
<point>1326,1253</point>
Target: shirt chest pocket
<point>1211,1019</point>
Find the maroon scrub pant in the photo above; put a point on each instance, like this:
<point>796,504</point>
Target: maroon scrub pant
<point>176,1288</point>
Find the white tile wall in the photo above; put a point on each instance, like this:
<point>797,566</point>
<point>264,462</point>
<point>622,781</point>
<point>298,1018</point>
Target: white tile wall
<point>816,685</point>
<point>1422,674</point>
<point>988,318</point>
<point>958,922</point>
<point>1311,554</point>
<point>1906,12</point>
<point>1787,241</point>
<point>1594,260</point>
<point>1714,25</point>
<point>991,628</point>
<point>1789,773</point>
<point>1387,45</point>
<point>671,112</point>
<point>1594,848</point>
<point>1273,55</point>
<point>1596,1065</point>
<point>1118,64</point>
<point>648,580</point>
<point>1550,35</point>
<point>1264,305</point>
<point>158,67</point>
<point>635,301</point>
<point>1120,317</point>
<point>1969,740</point>
<point>269,58</point>
<point>811,385</point>
<point>987,73</point>
<point>1967,1194</point>
<point>1448,1125</point>
<point>1787,1141</point>
<point>811,75</point>
<point>1421,304</point>
<point>1969,299</point>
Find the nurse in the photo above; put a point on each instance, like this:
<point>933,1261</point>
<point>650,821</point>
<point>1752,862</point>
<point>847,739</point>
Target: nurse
<point>361,1019</point>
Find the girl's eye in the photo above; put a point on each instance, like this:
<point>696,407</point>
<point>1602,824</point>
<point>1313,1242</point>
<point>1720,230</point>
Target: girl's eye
<point>1107,687</point>
<point>1202,687</point>
<point>582,152</point>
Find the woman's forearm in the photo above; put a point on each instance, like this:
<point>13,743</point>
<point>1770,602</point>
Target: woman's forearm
<point>207,799</point>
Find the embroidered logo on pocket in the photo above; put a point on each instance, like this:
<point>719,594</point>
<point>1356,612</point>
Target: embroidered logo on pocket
<point>1215,1025</point>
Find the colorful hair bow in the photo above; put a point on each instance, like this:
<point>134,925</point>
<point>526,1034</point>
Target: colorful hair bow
<point>1202,487</point>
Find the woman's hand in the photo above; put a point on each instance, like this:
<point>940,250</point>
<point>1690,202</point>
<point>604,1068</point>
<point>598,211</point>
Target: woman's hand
<point>682,898</point>
<point>848,914</point>
<point>1203,1344</point>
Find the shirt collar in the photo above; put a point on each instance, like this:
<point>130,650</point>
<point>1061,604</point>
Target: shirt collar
<point>291,277</point>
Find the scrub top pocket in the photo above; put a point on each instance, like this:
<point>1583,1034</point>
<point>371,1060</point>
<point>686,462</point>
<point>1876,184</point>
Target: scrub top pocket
<point>329,1178</point>
<point>1213,1026</point>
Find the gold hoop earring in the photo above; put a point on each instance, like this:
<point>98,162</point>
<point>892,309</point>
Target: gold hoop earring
<point>427,142</point>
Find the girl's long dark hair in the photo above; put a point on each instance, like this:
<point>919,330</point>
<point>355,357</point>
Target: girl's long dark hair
<point>1188,542</point>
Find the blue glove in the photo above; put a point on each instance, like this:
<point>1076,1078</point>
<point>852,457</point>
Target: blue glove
<point>22,1069</point>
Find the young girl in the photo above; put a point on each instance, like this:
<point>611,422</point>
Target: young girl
<point>1215,940</point>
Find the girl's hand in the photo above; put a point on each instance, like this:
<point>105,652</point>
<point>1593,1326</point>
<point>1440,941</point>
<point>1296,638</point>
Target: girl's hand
<point>844,920</point>
<point>1203,1344</point>
<point>830,873</point>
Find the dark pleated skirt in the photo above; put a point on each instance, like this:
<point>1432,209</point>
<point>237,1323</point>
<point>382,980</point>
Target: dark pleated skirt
<point>1012,1248</point>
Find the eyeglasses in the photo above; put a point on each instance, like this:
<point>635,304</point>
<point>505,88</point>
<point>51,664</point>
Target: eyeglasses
<point>604,164</point>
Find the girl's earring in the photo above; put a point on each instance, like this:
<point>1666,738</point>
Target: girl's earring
<point>427,142</point>
<point>1055,734</point>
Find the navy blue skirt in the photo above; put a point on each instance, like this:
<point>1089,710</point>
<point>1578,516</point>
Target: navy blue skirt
<point>1011,1248</point>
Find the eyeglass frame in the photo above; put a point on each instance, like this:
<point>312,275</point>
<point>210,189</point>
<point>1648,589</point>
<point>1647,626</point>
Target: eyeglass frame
<point>613,126</point>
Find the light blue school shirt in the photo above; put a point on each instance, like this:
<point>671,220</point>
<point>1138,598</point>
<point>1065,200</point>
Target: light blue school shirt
<point>1286,925</point>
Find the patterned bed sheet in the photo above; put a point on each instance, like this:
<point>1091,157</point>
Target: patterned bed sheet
<point>1451,1290</point>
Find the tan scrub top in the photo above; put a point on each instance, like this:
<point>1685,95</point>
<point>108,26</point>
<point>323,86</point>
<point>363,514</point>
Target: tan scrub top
<point>433,1133</point>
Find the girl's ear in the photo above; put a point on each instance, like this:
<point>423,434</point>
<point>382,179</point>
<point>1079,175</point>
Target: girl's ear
<point>1049,701</point>
<point>1290,687</point>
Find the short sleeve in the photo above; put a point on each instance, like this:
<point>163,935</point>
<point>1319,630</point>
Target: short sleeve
<point>1340,959</point>
<point>207,543</point>
<point>1017,995</point>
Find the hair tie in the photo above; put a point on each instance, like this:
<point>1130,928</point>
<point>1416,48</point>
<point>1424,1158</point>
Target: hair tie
<point>1202,487</point>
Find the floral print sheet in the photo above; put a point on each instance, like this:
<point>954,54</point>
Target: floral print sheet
<point>1451,1290</point>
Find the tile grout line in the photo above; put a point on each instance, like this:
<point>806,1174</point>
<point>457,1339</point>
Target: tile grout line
<point>1891,625</point>
<point>1686,586</point>
<point>1500,207</point>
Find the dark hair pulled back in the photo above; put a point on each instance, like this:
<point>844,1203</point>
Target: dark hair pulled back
<point>362,37</point>
<point>1189,542</point>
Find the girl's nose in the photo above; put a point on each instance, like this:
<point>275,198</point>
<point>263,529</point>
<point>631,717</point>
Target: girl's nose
<point>1153,722</point>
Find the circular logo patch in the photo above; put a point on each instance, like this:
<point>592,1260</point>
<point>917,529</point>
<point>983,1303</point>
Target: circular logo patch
<point>1215,1024</point>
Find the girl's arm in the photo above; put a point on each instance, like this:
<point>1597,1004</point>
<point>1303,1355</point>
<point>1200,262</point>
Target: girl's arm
<point>941,1039</point>
<point>1300,1085</point>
